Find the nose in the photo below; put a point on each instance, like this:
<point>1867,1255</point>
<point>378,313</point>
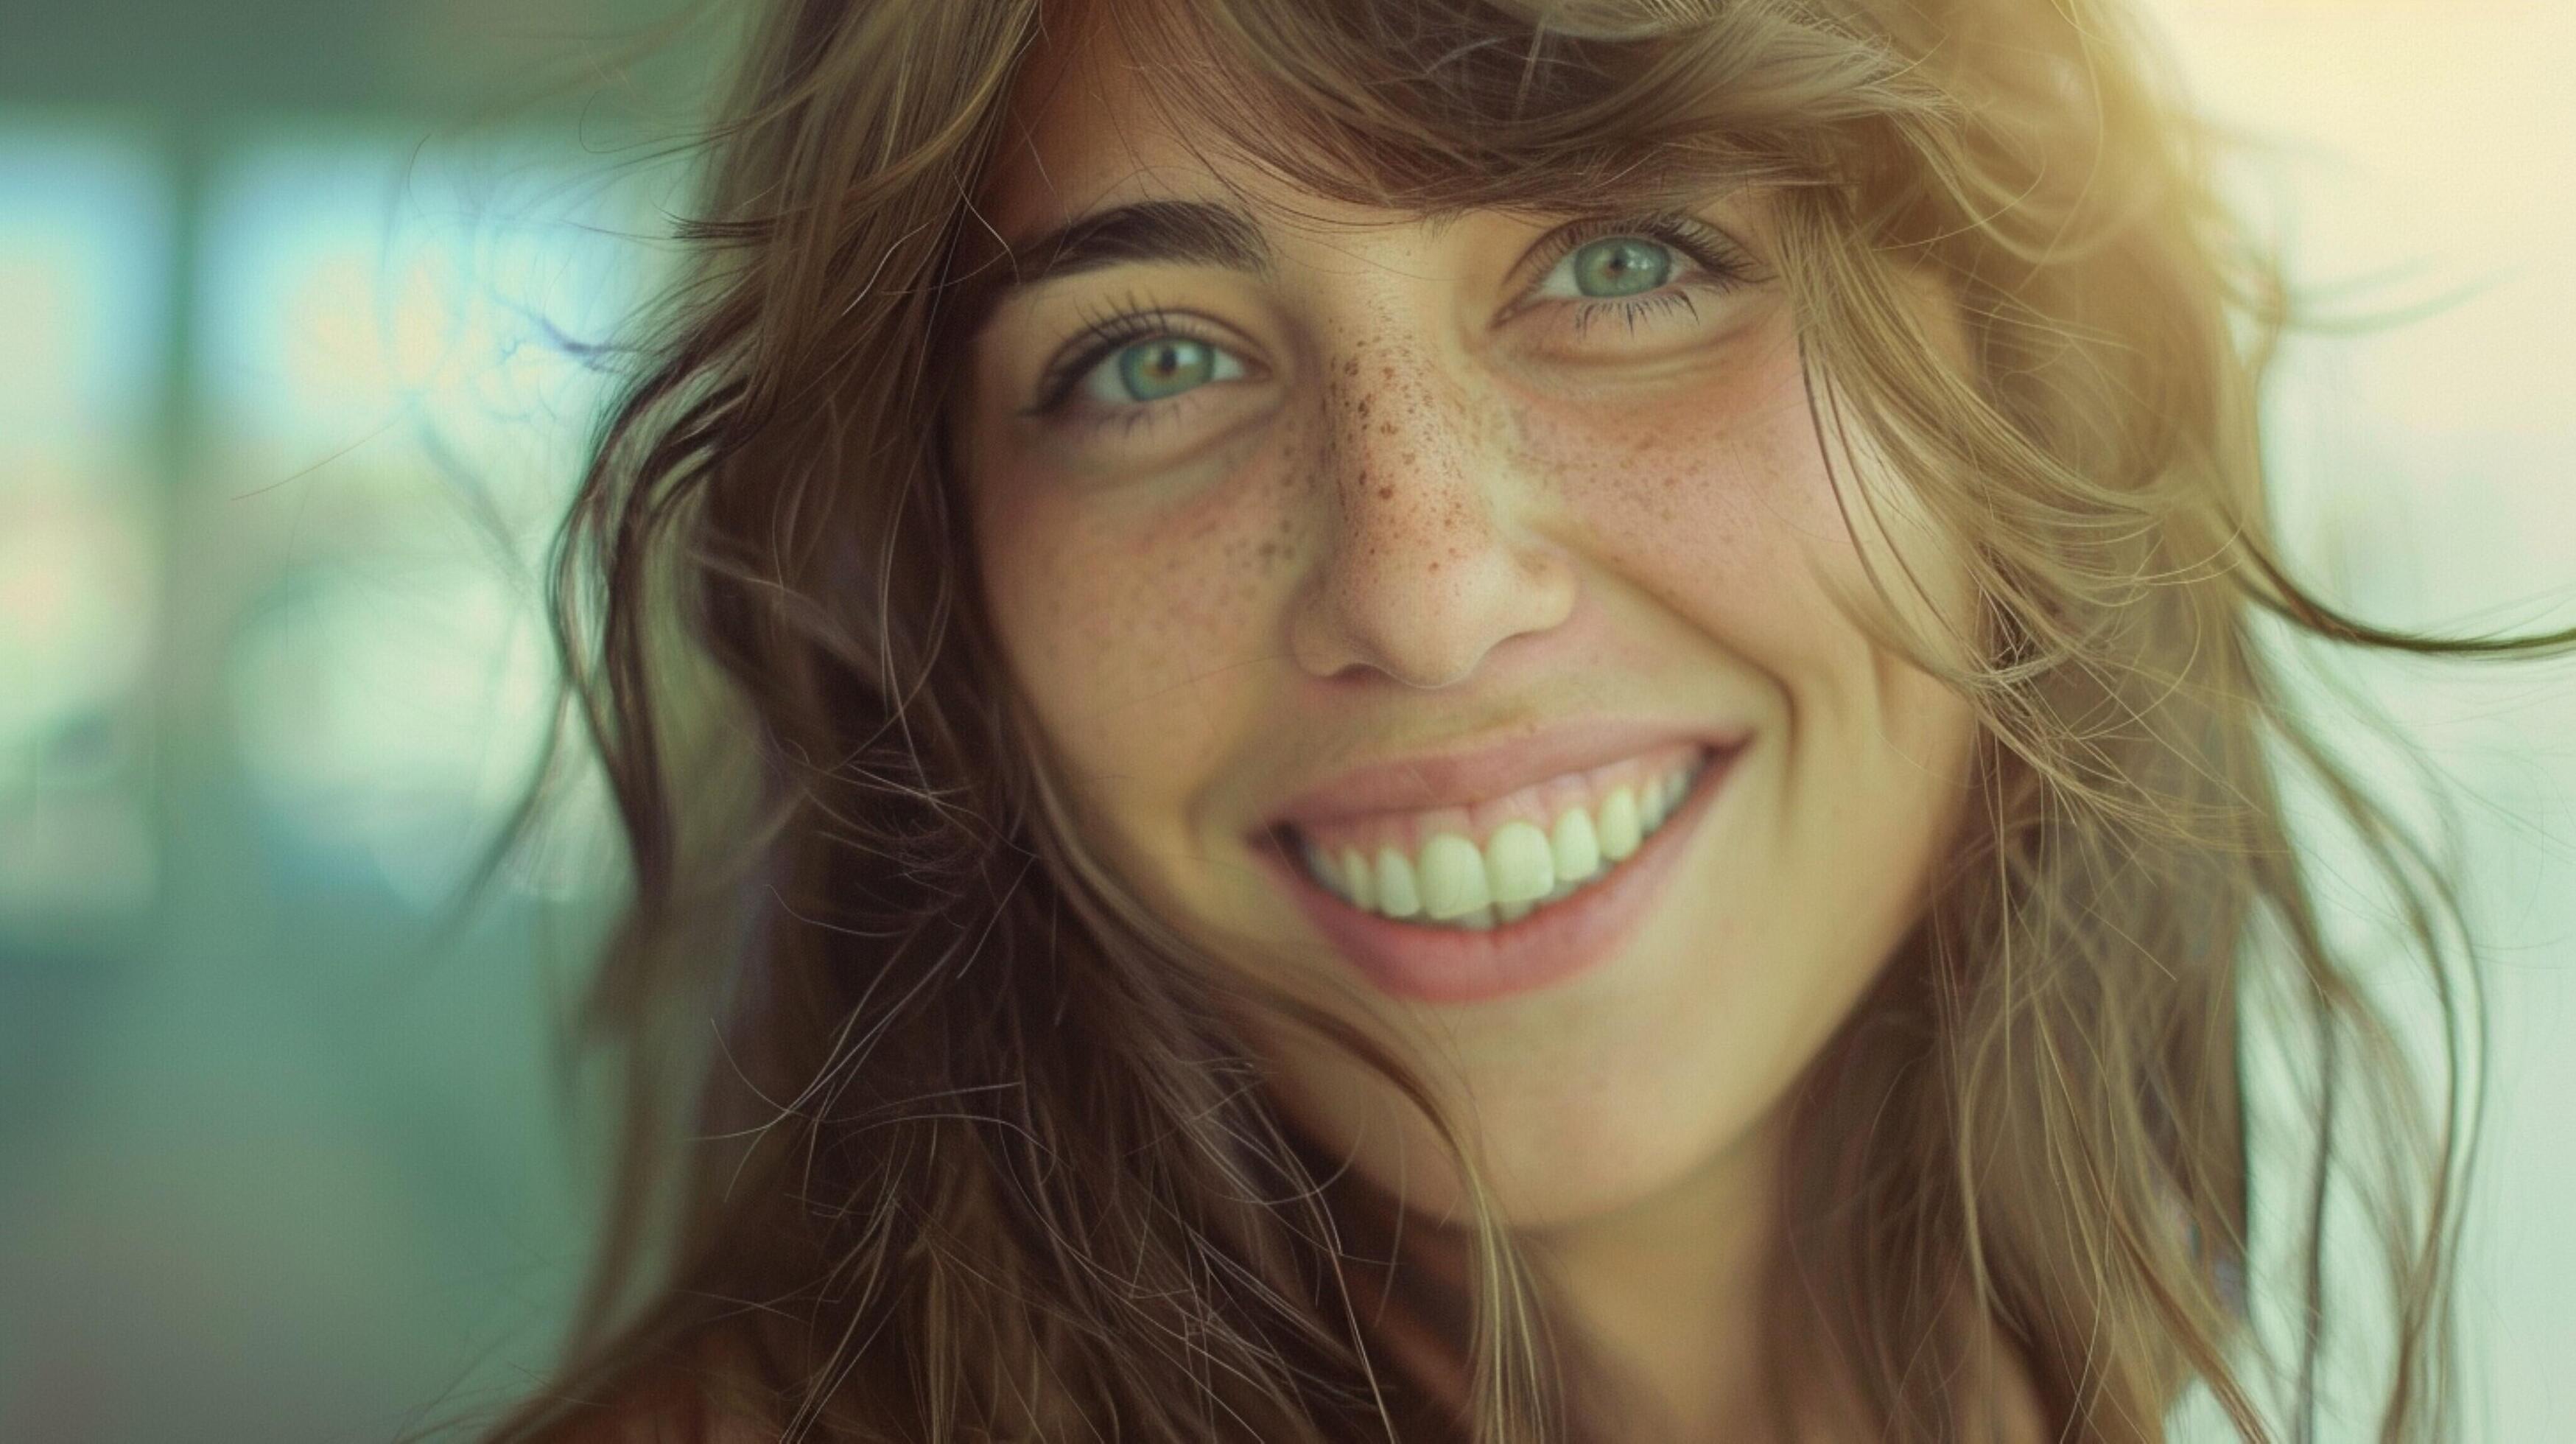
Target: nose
<point>1429,564</point>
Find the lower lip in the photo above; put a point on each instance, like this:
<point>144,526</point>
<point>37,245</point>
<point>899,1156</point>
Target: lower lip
<point>1551,945</point>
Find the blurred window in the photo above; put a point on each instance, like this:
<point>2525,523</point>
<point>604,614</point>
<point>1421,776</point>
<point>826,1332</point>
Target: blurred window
<point>395,385</point>
<point>84,262</point>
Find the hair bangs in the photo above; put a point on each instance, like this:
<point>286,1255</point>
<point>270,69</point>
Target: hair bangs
<point>1535,105</point>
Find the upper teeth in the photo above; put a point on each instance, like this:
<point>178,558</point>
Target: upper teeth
<point>1443,875</point>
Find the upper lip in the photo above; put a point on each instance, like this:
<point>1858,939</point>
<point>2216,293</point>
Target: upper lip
<point>1464,775</point>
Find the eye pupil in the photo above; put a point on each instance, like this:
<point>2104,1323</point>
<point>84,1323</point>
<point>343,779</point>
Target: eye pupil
<point>1621,266</point>
<point>1165,366</point>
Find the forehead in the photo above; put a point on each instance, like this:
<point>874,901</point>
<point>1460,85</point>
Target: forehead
<point>1090,125</point>
<point>1075,133</point>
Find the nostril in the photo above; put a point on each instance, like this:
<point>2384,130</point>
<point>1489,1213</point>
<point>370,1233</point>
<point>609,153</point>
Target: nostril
<point>1425,616</point>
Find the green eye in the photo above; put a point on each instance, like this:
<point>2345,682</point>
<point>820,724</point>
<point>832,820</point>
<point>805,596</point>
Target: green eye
<point>1621,266</point>
<point>1164,366</point>
<point>1154,366</point>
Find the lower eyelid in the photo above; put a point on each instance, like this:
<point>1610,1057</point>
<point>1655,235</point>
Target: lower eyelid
<point>1679,297</point>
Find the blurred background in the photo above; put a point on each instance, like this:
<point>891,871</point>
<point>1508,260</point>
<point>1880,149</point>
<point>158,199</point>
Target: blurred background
<point>294,302</point>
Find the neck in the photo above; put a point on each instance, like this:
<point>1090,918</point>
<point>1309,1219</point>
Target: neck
<point>1667,1294</point>
<point>1665,1302</point>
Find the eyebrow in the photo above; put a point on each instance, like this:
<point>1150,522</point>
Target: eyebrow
<point>1184,233</point>
<point>1189,233</point>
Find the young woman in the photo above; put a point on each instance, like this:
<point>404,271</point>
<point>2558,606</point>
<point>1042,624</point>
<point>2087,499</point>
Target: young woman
<point>1410,719</point>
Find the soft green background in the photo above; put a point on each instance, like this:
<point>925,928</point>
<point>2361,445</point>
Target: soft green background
<point>288,396</point>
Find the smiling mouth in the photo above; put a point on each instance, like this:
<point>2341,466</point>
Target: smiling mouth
<point>1500,861</point>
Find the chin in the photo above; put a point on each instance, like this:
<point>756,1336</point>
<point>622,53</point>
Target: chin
<point>1586,1103</point>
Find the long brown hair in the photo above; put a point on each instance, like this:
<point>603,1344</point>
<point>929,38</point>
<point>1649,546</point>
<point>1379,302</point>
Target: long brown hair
<point>973,1153</point>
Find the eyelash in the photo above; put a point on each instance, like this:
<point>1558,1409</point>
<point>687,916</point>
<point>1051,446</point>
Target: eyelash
<point>1102,336</point>
<point>1721,265</point>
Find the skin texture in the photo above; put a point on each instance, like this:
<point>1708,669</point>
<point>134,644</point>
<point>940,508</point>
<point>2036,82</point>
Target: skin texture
<point>1428,511</point>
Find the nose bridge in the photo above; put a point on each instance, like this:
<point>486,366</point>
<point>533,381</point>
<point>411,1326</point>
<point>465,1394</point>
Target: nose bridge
<point>1402,438</point>
<point>1426,571</point>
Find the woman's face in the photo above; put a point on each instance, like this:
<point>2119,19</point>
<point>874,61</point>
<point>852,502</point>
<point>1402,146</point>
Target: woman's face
<point>1443,558</point>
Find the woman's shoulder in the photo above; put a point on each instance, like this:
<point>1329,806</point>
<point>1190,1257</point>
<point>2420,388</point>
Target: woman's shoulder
<point>665,1413</point>
<point>684,1401</point>
<point>701,1429</point>
<point>2007,1409</point>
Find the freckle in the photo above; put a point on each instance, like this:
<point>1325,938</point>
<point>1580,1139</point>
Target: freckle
<point>1386,493</point>
<point>1408,458</point>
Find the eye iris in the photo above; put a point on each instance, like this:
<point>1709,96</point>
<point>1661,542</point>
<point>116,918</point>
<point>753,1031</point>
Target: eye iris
<point>1621,266</point>
<point>1165,366</point>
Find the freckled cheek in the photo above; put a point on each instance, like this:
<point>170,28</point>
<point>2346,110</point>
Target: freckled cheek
<point>1129,610</point>
<point>1713,498</point>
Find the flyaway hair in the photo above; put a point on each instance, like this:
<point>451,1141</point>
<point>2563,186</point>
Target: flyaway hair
<point>977,1150</point>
